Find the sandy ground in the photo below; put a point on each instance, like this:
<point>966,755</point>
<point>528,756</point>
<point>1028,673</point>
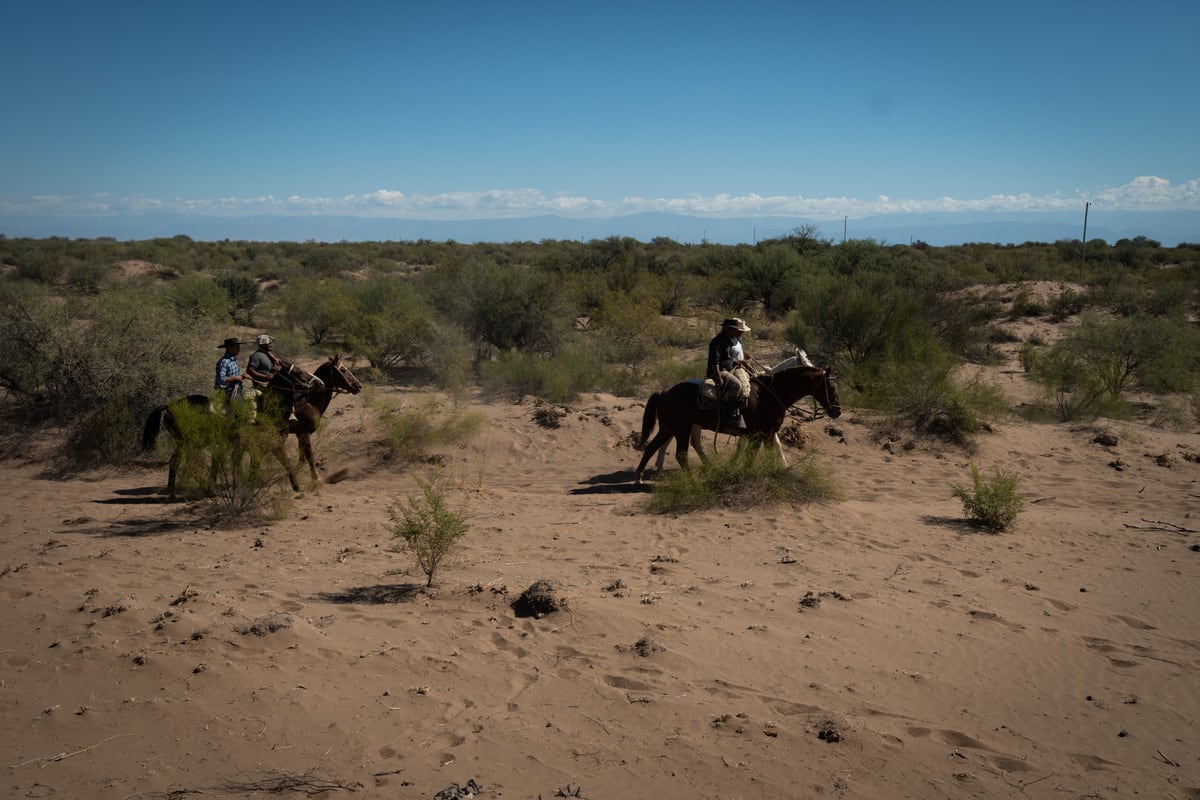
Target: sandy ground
<point>874,646</point>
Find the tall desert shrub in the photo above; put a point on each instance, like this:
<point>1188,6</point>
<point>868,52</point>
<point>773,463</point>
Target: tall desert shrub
<point>429,527</point>
<point>231,461</point>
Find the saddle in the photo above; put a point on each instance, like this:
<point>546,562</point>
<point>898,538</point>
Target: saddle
<point>709,395</point>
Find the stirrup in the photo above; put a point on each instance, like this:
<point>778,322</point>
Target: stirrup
<point>733,423</point>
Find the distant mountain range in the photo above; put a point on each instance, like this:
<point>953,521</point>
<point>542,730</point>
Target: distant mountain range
<point>1169,228</point>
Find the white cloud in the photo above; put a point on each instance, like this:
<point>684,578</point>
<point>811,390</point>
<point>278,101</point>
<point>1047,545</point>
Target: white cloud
<point>1142,193</point>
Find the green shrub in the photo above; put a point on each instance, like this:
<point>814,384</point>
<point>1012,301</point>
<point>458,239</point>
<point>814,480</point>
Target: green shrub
<point>1027,355</point>
<point>1091,368</point>
<point>429,527</point>
<point>1024,305</point>
<point>627,334</point>
<point>235,464</point>
<point>1067,303</point>
<point>558,379</point>
<point>741,478</point>
<point>926,388</point>
<point>414,430</point>
<point>97,364</point>
<point>500,308</point>
<point>243,292</point>
<point>389,323</point>
<point>198,296</point>
<point>994,504</point>
<point>316,307</point>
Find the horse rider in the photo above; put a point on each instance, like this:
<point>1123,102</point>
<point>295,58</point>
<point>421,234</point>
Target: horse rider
<point>263,364</point>
<point>229,378</point>
<point>262,367</point>
<point>727,367</point>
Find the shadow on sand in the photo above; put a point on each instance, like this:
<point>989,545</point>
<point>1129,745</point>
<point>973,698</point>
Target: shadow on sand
<point>622,482</point>
<point>143,495</point>
<point>379,594</point>
<point>959,524</point>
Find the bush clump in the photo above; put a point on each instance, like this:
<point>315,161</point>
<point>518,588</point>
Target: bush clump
<point>413,431</point>
<point>429,527</point>
<point>995,503</point>
<point>744,478</point>
<point>235,464</point>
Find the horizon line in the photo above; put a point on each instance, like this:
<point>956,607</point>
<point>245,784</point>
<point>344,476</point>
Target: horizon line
<point>1143,193</point>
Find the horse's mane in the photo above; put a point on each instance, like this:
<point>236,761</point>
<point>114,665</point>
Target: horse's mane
<point>769,377</point>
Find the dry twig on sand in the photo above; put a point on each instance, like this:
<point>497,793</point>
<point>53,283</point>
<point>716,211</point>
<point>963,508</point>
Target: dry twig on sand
<point>1160,525</point>
<point>273,782</point>
<point>64,755</point>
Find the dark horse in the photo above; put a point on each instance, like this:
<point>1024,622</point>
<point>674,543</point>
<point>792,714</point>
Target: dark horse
<point>291,391</point>
<point>676,410</point>
<point>335,378</point>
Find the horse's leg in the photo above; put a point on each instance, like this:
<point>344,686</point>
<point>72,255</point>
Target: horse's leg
<point>306,454</point>
<point>779,449</point>
<point>281,454</point>
<point>173,471</point>
<point>681,447</point>
<point>697,436</point>
<point>656,444</point>
<point>286,463</point>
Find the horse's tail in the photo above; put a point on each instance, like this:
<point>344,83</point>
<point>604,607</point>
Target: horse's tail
<point>649,417</point>
<point>152,427</point>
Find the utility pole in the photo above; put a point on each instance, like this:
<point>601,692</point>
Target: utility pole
<point>844,222</point>
<point>1083,244</point>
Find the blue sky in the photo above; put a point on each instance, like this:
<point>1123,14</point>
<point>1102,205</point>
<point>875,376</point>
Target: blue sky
<point>465,110</point>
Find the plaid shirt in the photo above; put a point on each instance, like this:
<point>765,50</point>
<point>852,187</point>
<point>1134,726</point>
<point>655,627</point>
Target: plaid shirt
<point>227,367</point>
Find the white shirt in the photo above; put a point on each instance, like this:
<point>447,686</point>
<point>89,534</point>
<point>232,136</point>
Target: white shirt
<point>736,350</point>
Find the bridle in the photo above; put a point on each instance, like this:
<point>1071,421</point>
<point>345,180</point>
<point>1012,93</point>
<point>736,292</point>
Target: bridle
<point>828,382</point>
<point>347,379</point>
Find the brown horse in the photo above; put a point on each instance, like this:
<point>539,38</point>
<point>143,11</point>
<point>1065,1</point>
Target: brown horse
<point>677,409</point>
<point>292,390</point>
<point>335,378</point>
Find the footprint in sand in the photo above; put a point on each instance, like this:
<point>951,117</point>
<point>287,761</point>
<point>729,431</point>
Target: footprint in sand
<point>1090,762</point>
<point>1099,645</point>
<point>1060,605</point>
<point>957,739</point>
<point>1007,764</point>
<point>621,682</point>
<point>504,645</point>
<point>992,617</point>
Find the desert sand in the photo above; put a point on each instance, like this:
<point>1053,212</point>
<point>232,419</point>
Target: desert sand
<point>873,646</point>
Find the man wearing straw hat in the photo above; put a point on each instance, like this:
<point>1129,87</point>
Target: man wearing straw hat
<point>726,366</point>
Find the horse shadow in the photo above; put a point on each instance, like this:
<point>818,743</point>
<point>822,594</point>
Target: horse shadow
<point>621,482</point>
<point>131,528</point>
<point>377,595</point>
<point>143,495</point>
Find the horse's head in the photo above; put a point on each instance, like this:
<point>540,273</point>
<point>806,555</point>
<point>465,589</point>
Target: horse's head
<point>339,377</point>
<point>827,394</point>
